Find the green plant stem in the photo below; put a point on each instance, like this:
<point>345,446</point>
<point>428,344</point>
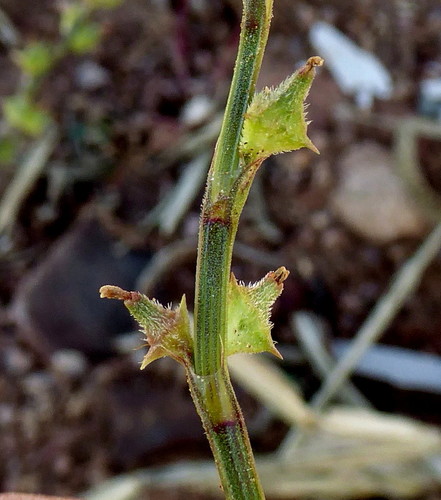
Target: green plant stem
<point>219,220</point>
<point>223,422</point>
<point>227,187</point>
<point>254,34</point>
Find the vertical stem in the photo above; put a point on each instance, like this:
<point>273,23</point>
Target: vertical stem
<point>212,275</point>
<point>209,379</point>
<point>225,428</point>
<point>218,227</point>
<point>254,33</point>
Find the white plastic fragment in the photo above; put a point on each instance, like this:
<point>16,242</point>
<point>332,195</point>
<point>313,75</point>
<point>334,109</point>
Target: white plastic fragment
<point>430,97</point>
<point>355,70</point>
<point>400,367</point>
<point>431,88</point>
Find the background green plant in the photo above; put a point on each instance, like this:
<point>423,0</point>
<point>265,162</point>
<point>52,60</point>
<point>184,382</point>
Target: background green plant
<point>79,34</point>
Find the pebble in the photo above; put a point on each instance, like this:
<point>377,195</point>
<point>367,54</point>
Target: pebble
<point>69,362</point>
<point>37,383</point>
<point>57,305</point>
<point>16,361</point>
<point>126,343</point>
<point>91,76</point>
<point>6,415</point>
<point>39,387</point>
<point>131,345</point>
<point>370,198</point>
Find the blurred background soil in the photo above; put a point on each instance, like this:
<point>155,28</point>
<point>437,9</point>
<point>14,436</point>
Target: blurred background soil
<point>74,407</point>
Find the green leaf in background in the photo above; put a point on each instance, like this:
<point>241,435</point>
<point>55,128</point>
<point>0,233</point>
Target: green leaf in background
<point>24,115</point>
<point>167,331</point>
<point>8,150</point>
<point>275,120</point>
<point>71,15</point>
<point>35,59</point>
<point>84,38</point>
<point>249,309</point>
<point>103,4</point>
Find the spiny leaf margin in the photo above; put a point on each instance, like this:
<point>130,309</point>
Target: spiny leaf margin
<point>167,331</point>
<point>249,310</point>
<point>275,121</point>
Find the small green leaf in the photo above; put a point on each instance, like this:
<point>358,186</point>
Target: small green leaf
<point>167,330</point>
<point>35,59</point>
<point>24,115</point>
<point>103,4</point>
<point>249,309</point>
<point>72,14</point>
<point>275,120</point>
<point>8,150</point>
<point>84,38</point>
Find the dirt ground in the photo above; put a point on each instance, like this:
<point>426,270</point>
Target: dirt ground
<point>74,407</point>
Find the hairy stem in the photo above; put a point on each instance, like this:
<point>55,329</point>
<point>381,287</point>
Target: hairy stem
<point>225,428</point>
<point>218,223</point>
<point>224,197</point>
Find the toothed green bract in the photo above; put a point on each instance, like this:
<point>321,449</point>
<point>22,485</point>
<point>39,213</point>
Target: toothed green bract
<point>275,120</point>
<point>249,309</point>
<point>167,331</point>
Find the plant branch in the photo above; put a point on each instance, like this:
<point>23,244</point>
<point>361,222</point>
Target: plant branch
<point>218,227</point>
<point>225,194</point>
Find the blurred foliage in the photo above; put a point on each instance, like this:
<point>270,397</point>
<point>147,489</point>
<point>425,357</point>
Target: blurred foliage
<point>79,34</point>
<point>7,150</point>
<point>24,115</point>
<point>85,38</point>
<point>72,15</point>
<point>102,4</point>
<point>35,59</point>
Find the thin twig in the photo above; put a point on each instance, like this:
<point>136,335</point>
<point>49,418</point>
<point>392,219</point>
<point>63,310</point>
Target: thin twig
<point>257,211</point>
<point>8,32</point>
<point>310,334</point>
<point>26,176</point>
<point>405,281</point>
<point>172,208</point>
<point>193,143</point>
<point>270,385</point>
<point>321,468</point>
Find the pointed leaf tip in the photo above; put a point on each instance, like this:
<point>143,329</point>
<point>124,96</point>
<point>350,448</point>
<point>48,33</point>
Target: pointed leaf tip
<point>311,63</point>
<point>167,331</point>
<point>279,275</point>
<point>115,292</point>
